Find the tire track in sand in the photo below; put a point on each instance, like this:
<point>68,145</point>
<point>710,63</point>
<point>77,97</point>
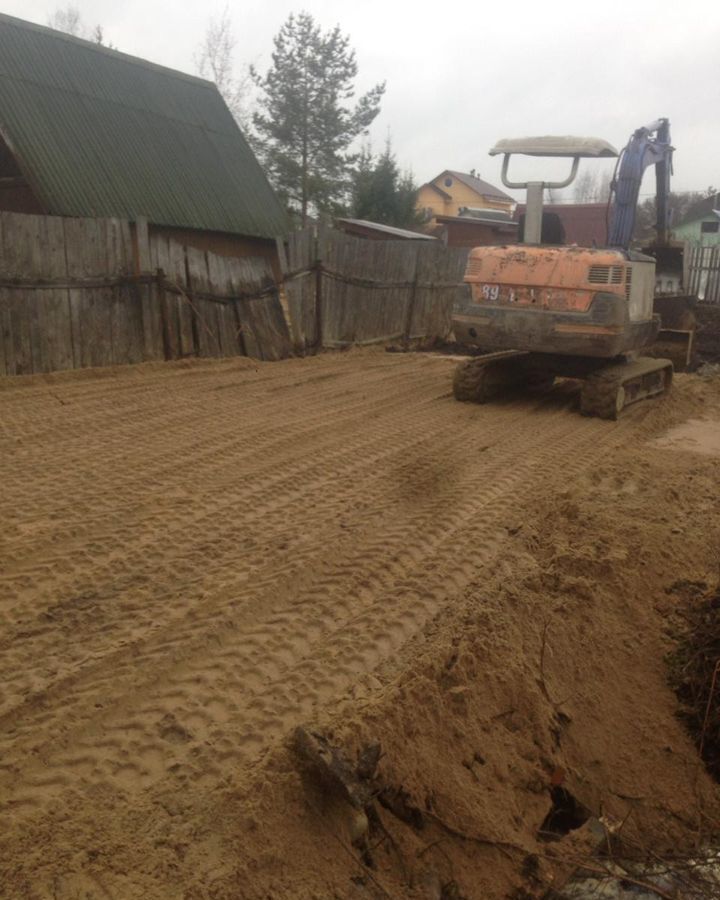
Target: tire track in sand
<point>384,520</point>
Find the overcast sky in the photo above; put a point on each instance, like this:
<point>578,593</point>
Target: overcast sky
<point>461,75</point>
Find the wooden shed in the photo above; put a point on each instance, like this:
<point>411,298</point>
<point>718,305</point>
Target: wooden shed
<point>481,229</point>
<point>89,131</point>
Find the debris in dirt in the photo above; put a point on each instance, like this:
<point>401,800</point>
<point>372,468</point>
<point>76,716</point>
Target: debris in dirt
<point>708,370</point>
<point>695,676</point>
<point>436,345</point>
<point>399,803</point>
<point>368,760</point>
<point>451,891</point>
<point>335,772</point>
<point>689,587</point>
<point>566,814</point>
<point>620,879</point>
<point>339,778</point>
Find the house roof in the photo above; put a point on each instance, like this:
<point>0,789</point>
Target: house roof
<point>508,225</point>
<point>702,209</point>
<point>100,133</point>
<point>475,212</point>
<point>583,223</point>
<point>484,188</point>
<point>363,226</point>
<point>440,191</point>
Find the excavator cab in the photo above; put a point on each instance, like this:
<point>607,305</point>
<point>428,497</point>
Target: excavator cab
<point>559,310</point>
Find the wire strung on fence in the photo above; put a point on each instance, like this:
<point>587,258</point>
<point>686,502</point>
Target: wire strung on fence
<point>159,278</point>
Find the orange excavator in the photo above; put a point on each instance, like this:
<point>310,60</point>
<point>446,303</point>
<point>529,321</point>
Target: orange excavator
<point>568,311</point>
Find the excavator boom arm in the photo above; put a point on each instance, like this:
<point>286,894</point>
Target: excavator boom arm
<point>648,146</point>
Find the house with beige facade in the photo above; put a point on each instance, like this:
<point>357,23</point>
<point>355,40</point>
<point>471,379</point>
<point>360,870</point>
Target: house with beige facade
<point>451,193</point>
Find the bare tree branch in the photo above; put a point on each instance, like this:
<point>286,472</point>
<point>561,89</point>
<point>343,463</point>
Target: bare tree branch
<point>215,60</point>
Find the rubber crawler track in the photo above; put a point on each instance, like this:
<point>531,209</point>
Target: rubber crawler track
<point>599,395</point>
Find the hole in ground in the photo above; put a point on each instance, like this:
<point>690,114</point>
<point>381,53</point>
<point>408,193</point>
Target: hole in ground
<point>566,815</point>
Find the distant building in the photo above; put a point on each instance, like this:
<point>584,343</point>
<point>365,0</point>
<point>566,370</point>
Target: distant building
<point>584,224</point>
<point>88,131</point>
<point>451,192</point>
<point>701,225</point>
<point>476,228</point>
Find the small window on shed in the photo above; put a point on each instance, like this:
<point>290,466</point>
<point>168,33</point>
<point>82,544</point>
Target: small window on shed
<point>448,183</point>
<point>710,227</point>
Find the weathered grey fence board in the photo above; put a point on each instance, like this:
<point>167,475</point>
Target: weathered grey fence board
<point>361,291</point>
<point>261,318</point>
<point>228,326</point>
<point>116,317</point>
<point>243,274</point>
<point>178,305</point>
<point>205,311</point>
<point>36,328</point>
<point>301,291</point>
<point>439,277</point>
<point>293,292</point>
<point>227,317</point>
<point>166,337</point>
<point>354,313</point>
<point>126,314</point>
<point>86,246</point>
<point>124,295</point>
<point>57,334</point>
<point>5,360</point>
<point>176,312</point>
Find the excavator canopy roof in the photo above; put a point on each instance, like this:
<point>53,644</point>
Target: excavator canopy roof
<point>555,146</point>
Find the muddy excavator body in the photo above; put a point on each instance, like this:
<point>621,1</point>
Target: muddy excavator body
<point>548,311</point>
<point>558,300</point>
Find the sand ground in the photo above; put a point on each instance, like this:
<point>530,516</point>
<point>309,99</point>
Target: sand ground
<point>196,558</point>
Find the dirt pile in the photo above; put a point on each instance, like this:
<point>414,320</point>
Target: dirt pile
<point>549,674</point>
<point>695,670</point>
<point>471,606</point>
<point>707,338</point>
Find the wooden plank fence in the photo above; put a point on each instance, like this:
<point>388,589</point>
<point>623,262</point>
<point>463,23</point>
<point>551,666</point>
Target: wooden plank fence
<point>344,290</point>
<point>702,274</point>
<point>98,292</point>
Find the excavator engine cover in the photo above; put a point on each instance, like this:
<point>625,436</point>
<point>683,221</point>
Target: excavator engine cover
<point>570,301</point>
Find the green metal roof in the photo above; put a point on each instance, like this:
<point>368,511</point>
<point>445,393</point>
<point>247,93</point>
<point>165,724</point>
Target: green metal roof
<point>100,133</point>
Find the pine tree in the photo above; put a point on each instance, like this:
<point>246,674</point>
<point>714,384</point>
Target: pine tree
<point>305,126</point>
<point>381,193</point>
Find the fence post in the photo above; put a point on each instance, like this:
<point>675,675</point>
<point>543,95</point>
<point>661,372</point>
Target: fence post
<point>318,291</point>
<point>141,245</point>
<point>164,313</point>
<point>411,299</point>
